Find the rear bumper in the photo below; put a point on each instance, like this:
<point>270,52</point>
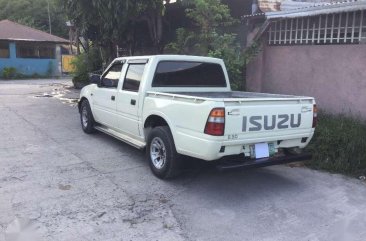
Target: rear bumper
<point>205,147</point>
<point>237,164</point>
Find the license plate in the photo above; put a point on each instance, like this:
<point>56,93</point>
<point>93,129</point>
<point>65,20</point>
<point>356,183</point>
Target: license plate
<point>261,150</point>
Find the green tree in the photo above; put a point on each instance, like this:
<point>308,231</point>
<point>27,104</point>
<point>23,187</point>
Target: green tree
<point>211,18</point>
<point>101,21</point>
<point>151,12</point>
<point>34,13</point>
<point>109,23</point>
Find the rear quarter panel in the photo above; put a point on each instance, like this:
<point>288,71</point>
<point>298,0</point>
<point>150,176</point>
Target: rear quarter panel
<point>186,119</point>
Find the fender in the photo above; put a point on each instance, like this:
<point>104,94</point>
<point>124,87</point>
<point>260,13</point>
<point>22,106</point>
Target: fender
<point>86,93</point>
<point>163,116</point>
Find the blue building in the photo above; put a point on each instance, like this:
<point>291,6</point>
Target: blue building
<point>29,50</point>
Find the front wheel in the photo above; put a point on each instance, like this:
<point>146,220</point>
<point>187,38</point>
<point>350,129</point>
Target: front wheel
<point>86,117</point>
<point>163,158</point>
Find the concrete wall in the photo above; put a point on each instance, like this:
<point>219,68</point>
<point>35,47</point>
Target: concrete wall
<point>30,66</point>
<point>334,74</point>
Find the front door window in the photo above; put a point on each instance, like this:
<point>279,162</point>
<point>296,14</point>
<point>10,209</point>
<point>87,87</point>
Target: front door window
<point>111,78</point>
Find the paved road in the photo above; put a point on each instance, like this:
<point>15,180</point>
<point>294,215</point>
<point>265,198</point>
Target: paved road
<point>73,186</point>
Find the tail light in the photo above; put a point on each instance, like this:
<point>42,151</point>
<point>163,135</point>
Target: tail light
<point>315,116</point>
<point>215,124</point>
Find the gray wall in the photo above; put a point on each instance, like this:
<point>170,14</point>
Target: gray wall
<point>334,74</point>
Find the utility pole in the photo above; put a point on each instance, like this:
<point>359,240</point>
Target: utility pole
<point>49,16</point>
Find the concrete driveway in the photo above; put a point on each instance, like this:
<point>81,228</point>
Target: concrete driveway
<point>71,186</point>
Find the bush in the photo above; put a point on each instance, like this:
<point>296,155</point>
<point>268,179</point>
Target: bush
<point>84,64</point>
<point>35,76</point>
<point>339,144</point>
<point>225,47</point>
<point>9,73</point>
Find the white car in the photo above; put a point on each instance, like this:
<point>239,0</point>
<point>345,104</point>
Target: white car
<point>175,105</point>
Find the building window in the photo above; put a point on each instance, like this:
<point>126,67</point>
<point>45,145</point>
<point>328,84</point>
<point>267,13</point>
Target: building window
<point>4,50</point>
<point>33,51</point>
<point>339,28</point>
<point>47,52</point>
<point>26,51</point>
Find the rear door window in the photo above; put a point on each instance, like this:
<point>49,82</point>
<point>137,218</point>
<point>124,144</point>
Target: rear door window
<point>188,74</point>
<point>133,77</point>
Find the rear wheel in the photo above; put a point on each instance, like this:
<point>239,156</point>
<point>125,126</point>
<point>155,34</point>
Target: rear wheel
<point>163,158</point>
<point>86,117</point>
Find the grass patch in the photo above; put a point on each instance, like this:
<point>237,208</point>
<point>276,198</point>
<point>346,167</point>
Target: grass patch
<point>339,145</point>
<point>10,73</point>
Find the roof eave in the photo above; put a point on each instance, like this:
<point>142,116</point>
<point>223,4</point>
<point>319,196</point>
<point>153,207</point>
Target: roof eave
<point>33,40</point>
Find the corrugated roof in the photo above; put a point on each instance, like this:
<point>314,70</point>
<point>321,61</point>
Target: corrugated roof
<point>14,31</point>
<point>291,8</point>
<point>334,7</point>
<point>281,5</point>
<point>327,8</point>
<point>290,4</point>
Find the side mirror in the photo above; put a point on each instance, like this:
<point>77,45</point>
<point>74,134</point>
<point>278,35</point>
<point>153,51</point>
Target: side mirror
<point>95,79</point>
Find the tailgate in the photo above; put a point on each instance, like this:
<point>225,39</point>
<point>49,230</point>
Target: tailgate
<point>269,120</point>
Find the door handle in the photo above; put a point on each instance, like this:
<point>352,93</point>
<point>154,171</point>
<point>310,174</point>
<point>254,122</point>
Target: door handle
<point>133,102</point>
<point>113,98</point>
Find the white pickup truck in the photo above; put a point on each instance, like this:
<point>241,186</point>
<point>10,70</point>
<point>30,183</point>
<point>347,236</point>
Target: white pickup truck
<point>176,105</point>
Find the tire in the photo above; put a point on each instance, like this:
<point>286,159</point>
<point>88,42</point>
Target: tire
<point>86,117</point>
<point>163,158</point>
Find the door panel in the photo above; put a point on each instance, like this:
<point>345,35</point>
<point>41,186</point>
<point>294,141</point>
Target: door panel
<point>104,107</point>
<point>104,96</point>
<point>128,101</point>
<point>128,112</point>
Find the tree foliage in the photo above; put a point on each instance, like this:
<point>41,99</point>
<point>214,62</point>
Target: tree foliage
<point>109,23</point>
<point>34,13</point>
<point>136,24</point>
<point>101,21</point>
<point>211,18</point>
<point>152,12</point>
<point>84,64</point>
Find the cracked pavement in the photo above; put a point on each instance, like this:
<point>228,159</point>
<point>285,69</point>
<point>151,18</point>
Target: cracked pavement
<point>73,186</point>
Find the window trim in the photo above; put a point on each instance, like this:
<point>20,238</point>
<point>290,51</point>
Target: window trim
<point>138,61</point>
<point>188,86</point>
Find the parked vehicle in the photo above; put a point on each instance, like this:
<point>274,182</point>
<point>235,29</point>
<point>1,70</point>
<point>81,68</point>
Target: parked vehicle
<point>183,105</point>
